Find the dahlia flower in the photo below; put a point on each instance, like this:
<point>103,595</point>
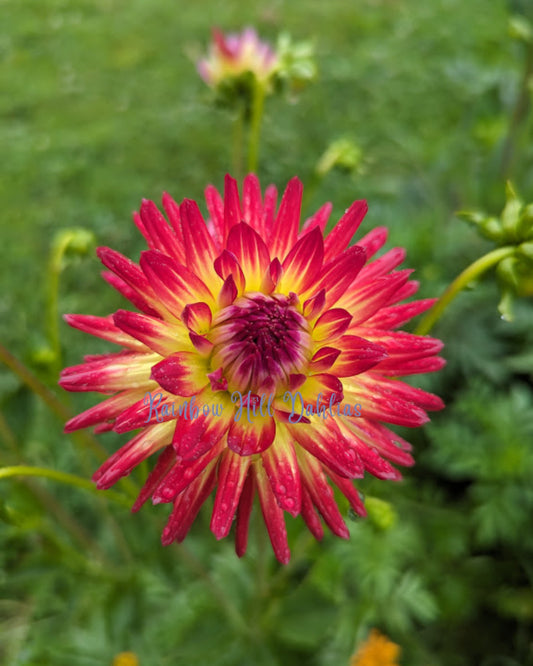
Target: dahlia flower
<point>264,360</point>
<point>233,55</point>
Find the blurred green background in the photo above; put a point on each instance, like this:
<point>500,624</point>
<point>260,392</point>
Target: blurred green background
<point>100,106</point>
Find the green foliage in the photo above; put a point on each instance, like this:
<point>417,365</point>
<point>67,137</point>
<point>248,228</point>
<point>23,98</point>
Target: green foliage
<point>101,106</point>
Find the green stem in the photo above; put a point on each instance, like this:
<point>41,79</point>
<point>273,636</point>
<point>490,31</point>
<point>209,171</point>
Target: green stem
<point>238,141</point>
<point>50,399</point>
<point>54,270</point>
<point>519,114</point>
<point>255,126</point>
<point>62,477</point>
<point>470,274</point>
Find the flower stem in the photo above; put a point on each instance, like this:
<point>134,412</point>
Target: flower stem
<point>238,140</point>
<point>255,126</point>
<point>470,273</point>
<point>54,270</point>
<point>49,398</point>
<point>61,477</point>
<point>519,114</point>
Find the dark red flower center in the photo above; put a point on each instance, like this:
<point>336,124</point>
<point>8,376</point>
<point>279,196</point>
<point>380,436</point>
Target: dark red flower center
<point>259,341</point>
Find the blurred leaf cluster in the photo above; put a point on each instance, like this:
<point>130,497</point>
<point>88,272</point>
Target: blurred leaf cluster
<point>101,106</point>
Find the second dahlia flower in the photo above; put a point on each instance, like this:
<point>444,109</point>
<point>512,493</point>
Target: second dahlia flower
<point>264,361</point>
<point>236,54</point>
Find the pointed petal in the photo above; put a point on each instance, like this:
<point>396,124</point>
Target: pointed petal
<point>251,254</point>
<point>243,515</point>
<point>381,406</point>
<point>158,335</point>
<point>357,355</point>
<point>386,263</point>
<point>361,432</point>
<point>401,346</point>
<point>271,197</point>
<point>182,474</point>
<point>174,284</point>
<point>231,476</point>
<point>285,229</point>
<point>105,411</point>
<point>103,327</point>
<point>373,241</point>
<point>281,467</point>
<point>139,301</point>
<point>167,458</point>
<point>247,438</point>
<point>200,248</point>
<point>159,235</point>
<point>232,206</point>
<point>322,389</point>
<point>323,360</point>
<point>397,315</point>
<point>197,317</point>
<point>202,424</point>
<point>252,205</point>
<point>215,206</point>
<point>318,220</point>
<point>142,446</point>
<point>366,299</point>
<point>313,306</point>
<point>422,365</point>
<point>350,492</point>
<point>331,325</point>
<point>310,516</point>
<point>273,515</point>
<point>187,505</point>
<point>130,273</point>
<point>321,494</point>
<point>342,233</point>
<point>110,373</point>
<point>336,276</point>
<point>225,265</point>
<point>181,373</point>
<point>172,210</point>
<point>303,263</point>
<point>228,293</point>
<point>324,441</point>
<point>156,406</point>
<point>409,289</point>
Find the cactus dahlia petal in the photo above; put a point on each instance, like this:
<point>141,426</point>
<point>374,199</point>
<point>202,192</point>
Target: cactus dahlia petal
<point>264,359</point>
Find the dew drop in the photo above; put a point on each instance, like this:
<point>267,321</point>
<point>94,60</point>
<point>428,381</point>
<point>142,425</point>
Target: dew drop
<point>167,493</point>
<point>280,489</point>
<point>352,515</point>
<point>224,506</point>
<point>361,496</point>
<point>289,502</point>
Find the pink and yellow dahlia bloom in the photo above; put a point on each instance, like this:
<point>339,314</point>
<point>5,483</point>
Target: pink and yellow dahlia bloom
<point>264,359</point>
<point>233,55</point>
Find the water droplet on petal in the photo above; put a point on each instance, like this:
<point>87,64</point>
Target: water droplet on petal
<point>280,489</point>
<point>167,493</point>
<point>289,502</point>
